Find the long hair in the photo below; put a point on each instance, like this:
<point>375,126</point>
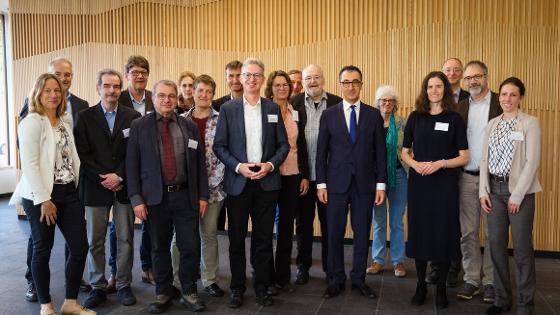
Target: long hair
<point>35,105</point>
<point>422,104</point>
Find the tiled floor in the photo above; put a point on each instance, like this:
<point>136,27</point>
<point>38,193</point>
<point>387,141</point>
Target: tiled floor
<point>393,294</point>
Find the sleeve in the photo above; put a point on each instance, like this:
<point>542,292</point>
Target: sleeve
<point>221,141</point>
<point>409,130</point>
<point>302,154</point>
<point>282,145</point>
<point>89,166</point>
<point>30,134</point>
<point>532,158</point>
<point>203,193</point>
<point>322,151</point>
<point>133,185</point>
<point>380,151</point>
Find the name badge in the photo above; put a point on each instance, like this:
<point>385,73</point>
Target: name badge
<point>126,132</point>
<point>193,144</point>
<point>442,126</point>
<point>272,118</point>
<point>516,136</point>
<point>295,115</point>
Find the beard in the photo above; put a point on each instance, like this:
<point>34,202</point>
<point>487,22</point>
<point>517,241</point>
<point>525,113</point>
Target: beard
<point>475,91</point>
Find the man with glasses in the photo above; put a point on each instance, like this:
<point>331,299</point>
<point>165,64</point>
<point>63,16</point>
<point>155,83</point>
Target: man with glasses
<point>477,110</point>
<point>233,74</point>
<point>351,170</point>
<point>168,187</point>
<point>310,105</point>
<point>251,141</point>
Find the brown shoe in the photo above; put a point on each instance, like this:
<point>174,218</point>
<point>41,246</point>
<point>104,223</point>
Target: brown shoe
<point>400,272</point>
<point>112,284</point>
<point>148,277</point>
<point>375,268</point>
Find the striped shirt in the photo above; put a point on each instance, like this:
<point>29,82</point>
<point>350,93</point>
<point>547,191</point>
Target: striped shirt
<point>312,129</point>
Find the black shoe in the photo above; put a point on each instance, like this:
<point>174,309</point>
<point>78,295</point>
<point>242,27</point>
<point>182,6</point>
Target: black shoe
<point>193,302</point>
<point>420,295</point>
<point>302,277</point>
<point>333,290</point>
<point>84,286</point>
<point>433,277</point>
<point>441,296</point>
<point>264,299</point>
<point>452,279</point>
<point>236,299</point>
<point>161,304</point>
<point>497,309</point>
<point>95,298</point>
<point>31,293</point>
<point>126,297</point>
<point>214,290</point>
<point>364,290</point>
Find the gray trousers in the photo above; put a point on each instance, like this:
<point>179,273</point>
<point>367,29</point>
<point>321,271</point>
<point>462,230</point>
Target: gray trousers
<point>499,221</point>
<point>478,268</point>
<point>97,221</point>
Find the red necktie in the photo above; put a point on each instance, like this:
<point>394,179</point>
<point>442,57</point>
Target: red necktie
<point>169,170</point>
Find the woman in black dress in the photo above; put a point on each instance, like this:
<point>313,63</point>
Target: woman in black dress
<point>435,146</point>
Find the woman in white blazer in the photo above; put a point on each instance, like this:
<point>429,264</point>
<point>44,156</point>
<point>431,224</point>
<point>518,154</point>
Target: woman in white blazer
<point>508,183</point>
<point>47,190</point>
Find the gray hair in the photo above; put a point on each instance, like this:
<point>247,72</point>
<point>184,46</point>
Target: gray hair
<point>101,73</point>
<point>167,83</point>
<point>386,90</point>
<point>252,61</point>
<point>57,60</point>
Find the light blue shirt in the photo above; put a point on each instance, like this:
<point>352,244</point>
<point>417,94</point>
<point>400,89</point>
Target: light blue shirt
<point>110,117</point>
<point>139,106</point>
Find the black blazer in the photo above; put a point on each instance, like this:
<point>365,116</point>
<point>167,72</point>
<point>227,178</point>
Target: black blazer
<point>143,161</point>
<point>463,95</point>
<point>102,152</point>
<point>298,102</point>
<point>495,108</point>
<point>77,103</point>
<point>217,104</point>
<point>125,100</point>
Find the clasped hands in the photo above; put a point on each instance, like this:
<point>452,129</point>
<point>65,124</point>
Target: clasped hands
<point>245,170</point>
<point>428,168</point>
<point>111,181</point>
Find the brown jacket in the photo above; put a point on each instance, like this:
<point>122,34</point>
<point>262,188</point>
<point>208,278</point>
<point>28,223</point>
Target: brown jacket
<point>463,108</point>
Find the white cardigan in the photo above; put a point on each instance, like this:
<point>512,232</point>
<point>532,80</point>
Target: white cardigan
<point>37,154</point>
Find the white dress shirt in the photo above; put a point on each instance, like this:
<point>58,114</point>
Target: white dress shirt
<point>478,119</point>
<point>253,130</point>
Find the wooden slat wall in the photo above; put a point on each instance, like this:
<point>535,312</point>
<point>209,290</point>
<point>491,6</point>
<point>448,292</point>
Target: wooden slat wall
<point>392,41</point>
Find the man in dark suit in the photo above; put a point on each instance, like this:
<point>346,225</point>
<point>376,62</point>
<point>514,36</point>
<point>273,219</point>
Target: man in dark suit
<point>62,69</point>
<point>233,73</point>
<point>310,106</point>
<point>101,137</point>
<point>168,187</point>
<point>251,141</point>
<point>351,169</point>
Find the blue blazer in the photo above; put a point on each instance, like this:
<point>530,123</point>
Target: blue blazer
<point>338,160</point>
<point>230,144</point>
<point>143,162</point>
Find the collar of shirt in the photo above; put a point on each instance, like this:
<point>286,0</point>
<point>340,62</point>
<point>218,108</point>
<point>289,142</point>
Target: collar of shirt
<point>310,99</point>
<point>346,106</point>
<point>105,111</point>
<point>134,101</point>
<point>246,103</point>
<point>485,100</point>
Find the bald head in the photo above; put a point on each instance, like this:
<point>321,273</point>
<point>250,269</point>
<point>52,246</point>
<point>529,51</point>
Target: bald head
<point>313,81</point>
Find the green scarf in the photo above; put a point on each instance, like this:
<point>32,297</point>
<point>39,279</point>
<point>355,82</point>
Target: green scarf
<point>391,142</point>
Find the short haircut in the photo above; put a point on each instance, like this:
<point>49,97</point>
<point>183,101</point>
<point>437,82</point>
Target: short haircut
<point>164,82</point>
<point>422,104</point>
<point>101,73</point>
<point>235,64</point>
<point>477,63</point>
<point>350,68</point>
<point>516,82</point>
<point>57,60</point>
<point>270,80</point>
<point>253,61</point>
<point>185,74</point>
<point>384,90</point>
<point>136,61</point>
<point>294,71</point>
<point>205,79</point>
<point>35,105</point>
<point>454,58</point>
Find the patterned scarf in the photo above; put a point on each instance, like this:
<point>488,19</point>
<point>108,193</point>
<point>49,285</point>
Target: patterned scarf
<point>391,142</point>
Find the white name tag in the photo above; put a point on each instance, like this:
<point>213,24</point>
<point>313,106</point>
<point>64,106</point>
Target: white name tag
<point>295,115</point>
<point>193,144</point>
<point>516,136</point>
<point>272,118</point>
<point>125,132</point>
<point>442,126</point>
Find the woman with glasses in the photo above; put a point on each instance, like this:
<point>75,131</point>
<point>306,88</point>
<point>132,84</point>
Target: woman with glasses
<point>508,183</point>
<point>386,100</point>
<point>435,146</point>
<point>294,172</point>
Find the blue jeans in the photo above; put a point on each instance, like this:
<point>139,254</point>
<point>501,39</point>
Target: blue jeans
<point>396,196</point>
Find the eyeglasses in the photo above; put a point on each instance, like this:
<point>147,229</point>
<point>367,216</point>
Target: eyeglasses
<point>476,77</point>
<point>161,96</point>
<point>249,75</point>
<point>387,100</point>
<point>137,73</point>
<point>311,78</point>
<point>347,84</point>
<point>279,86</point>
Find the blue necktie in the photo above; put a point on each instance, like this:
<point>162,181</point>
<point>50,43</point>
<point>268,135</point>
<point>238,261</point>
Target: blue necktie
<point>353,124</point>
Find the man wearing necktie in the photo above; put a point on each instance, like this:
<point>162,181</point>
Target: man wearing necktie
<point>351,169</point>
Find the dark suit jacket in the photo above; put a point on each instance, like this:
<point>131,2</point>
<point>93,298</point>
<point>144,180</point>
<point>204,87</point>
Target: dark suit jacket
<point>102,152</point>
<point>338,160</point>
<point>298,102</point>
<point>495,108</point>
<point>463,95</point>
<point>125,100</point>
<point>230,144</point>
<point>217,104</point>
<point>77,103</point>
<point>143,162</point>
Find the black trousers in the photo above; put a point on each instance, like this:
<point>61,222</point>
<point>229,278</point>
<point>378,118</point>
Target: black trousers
<point>305,215</point>
<point>28,273</point>
<point>260,205</point>
<point>145,248</point>
<point>174,211</point>
<point>71,222</point>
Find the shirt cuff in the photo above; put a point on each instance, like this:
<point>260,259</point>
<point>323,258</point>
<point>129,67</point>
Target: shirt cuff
<point>237,168</point>
<point>272,170</point>
<point>136,200</point>
<point>322,186</point>
<point>381,186</point>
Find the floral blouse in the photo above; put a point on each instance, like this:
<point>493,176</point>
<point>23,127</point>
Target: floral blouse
<point>63,164</point>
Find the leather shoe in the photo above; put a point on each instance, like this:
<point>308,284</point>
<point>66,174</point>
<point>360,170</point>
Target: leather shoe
<point>31,293</point>
<point>84,286</point>
<point>302,277</point>
<point>161,304</point>
<point>95,298</point>
<point>126,297</point>
<point>497,309</point>
<point>333,290</point>
<point>111,285</point>
<point>214,290</point>
<point>264,299</point>
<point>236,299</point>
<point>148,277</point>
<point>364,290</point>
<point>193,302</point>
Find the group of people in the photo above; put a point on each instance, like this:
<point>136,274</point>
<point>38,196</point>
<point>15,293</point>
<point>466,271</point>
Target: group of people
<point>178,160</point>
